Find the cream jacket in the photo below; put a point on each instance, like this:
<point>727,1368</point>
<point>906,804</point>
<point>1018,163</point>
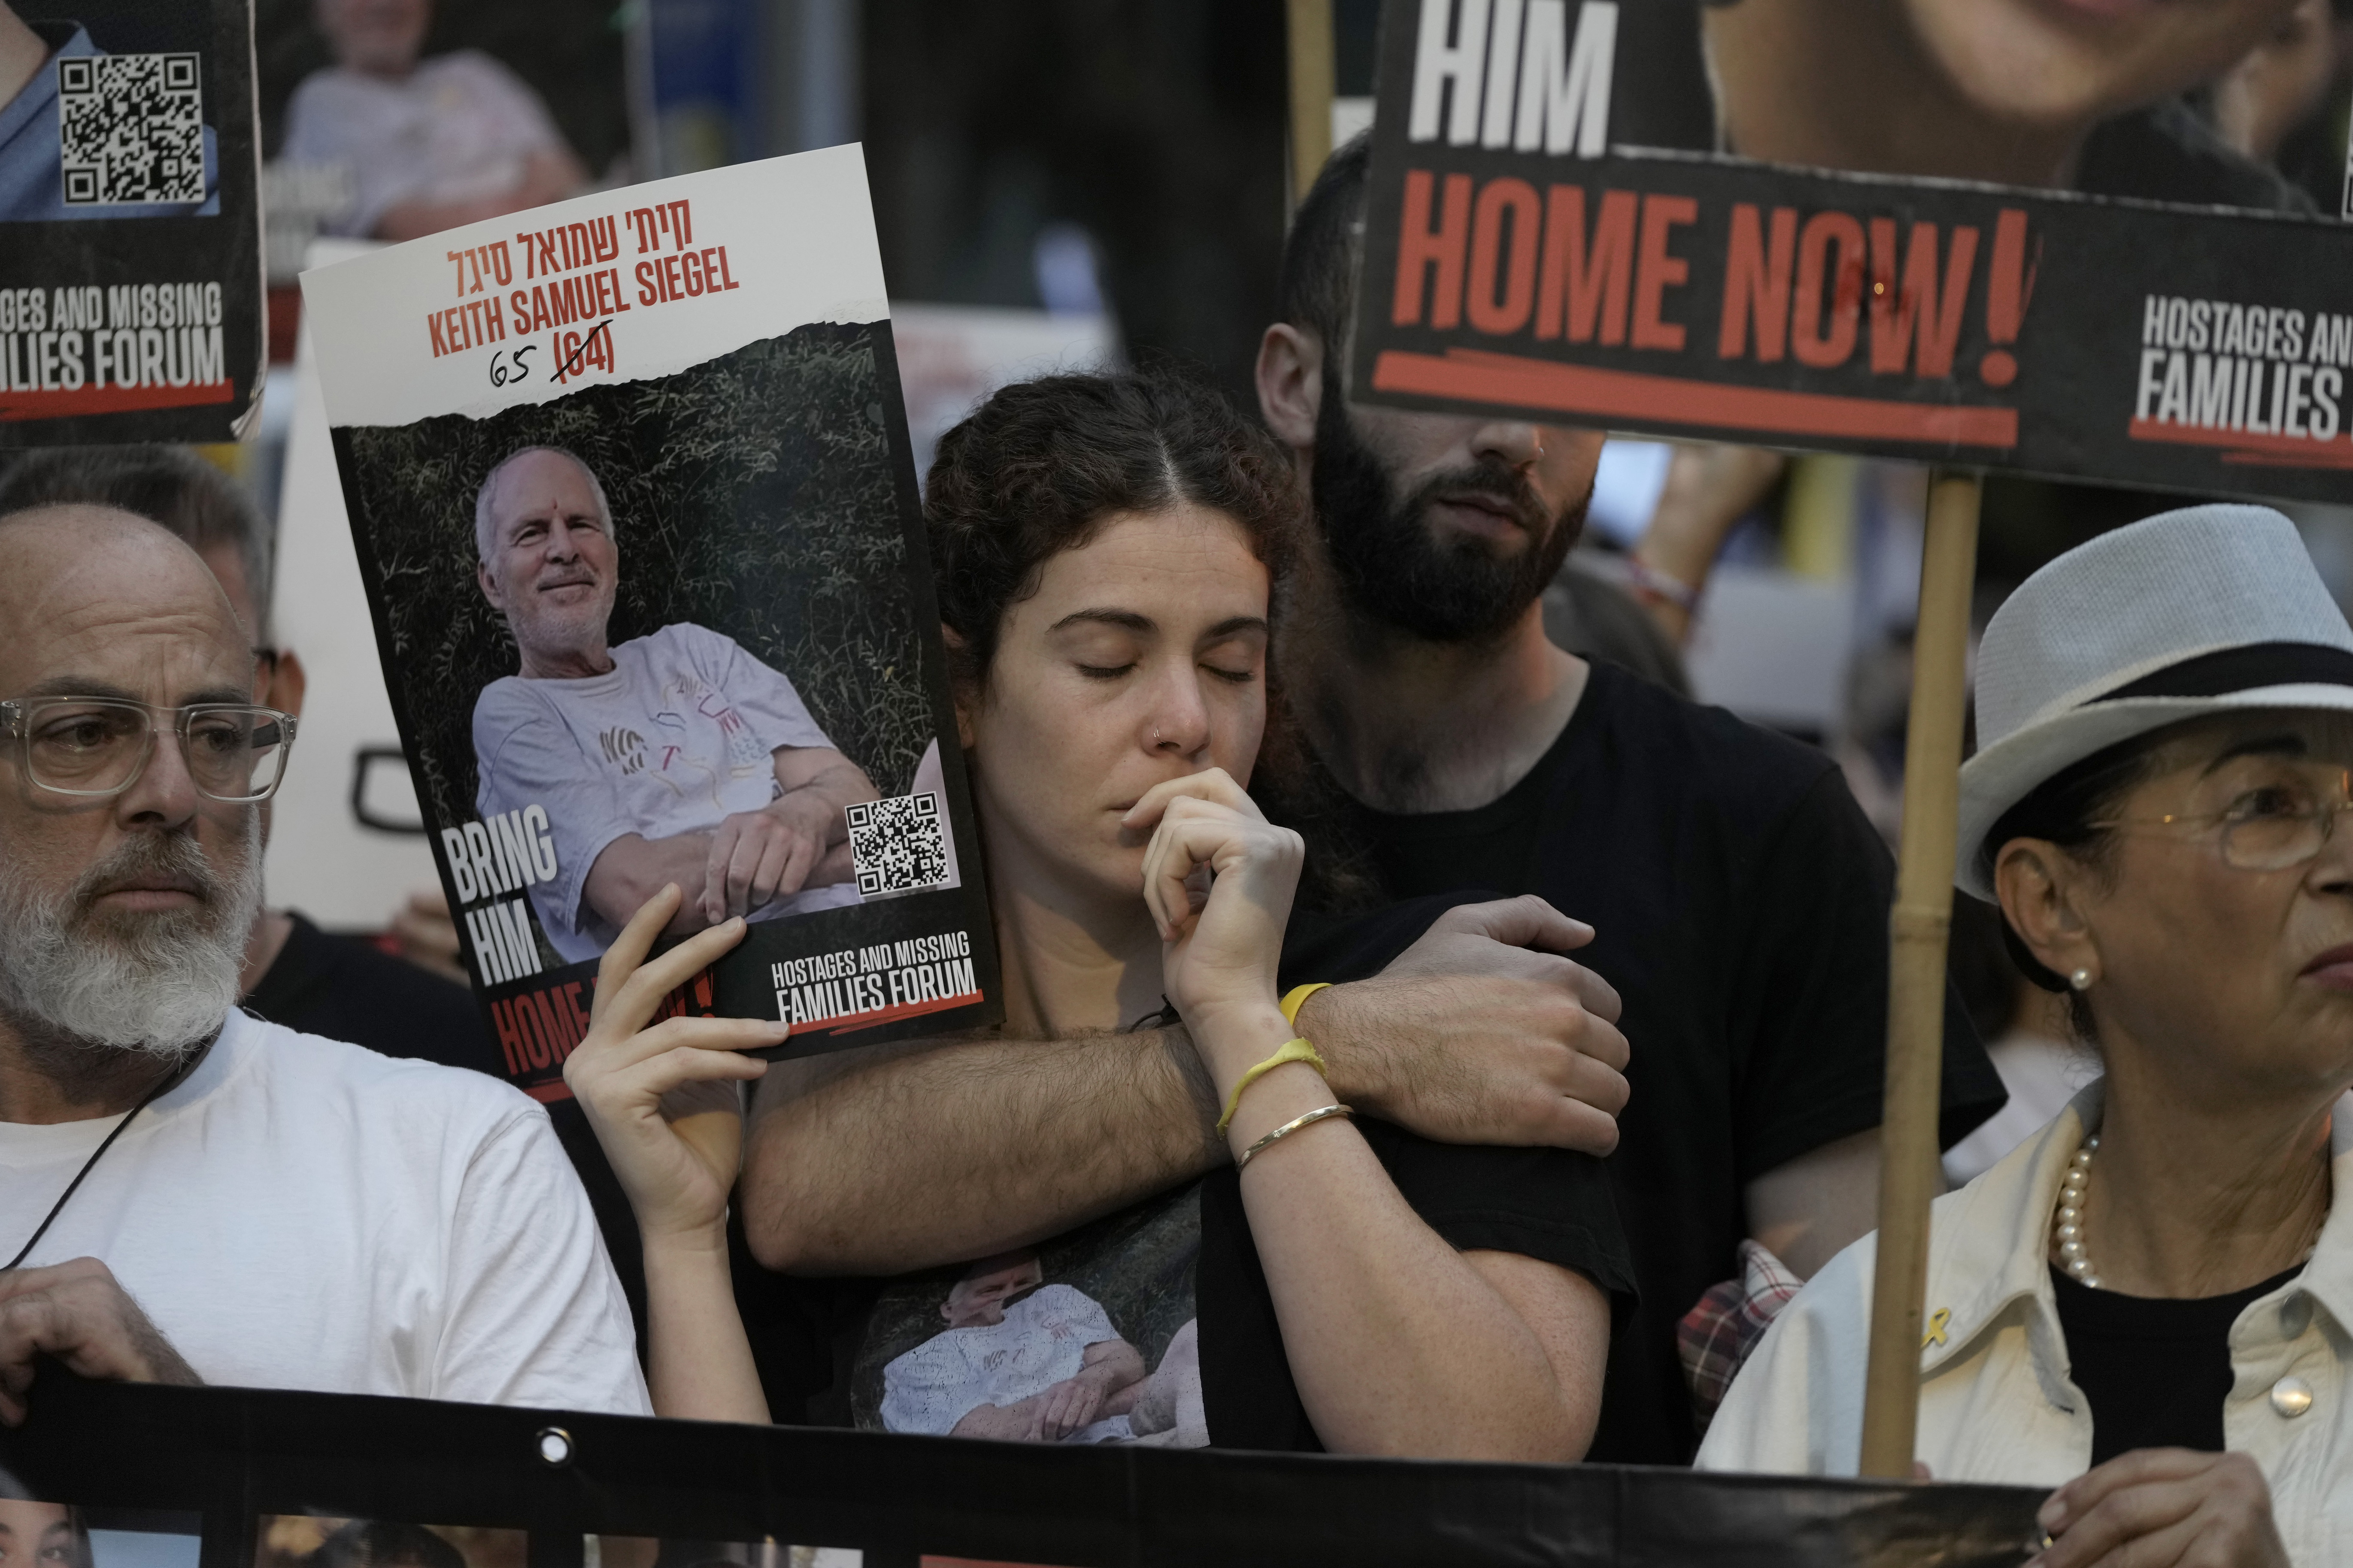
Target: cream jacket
<point>1996,1402</point>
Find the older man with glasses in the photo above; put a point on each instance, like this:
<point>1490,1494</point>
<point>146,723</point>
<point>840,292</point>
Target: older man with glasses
<point>313,981</point>
<point>198,1195</point>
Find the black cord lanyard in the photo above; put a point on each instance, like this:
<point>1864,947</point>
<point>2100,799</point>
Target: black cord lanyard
<point>162,1086</point>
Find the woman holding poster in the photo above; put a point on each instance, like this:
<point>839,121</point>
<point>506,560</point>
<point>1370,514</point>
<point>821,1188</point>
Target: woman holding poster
<point>1105,550</point>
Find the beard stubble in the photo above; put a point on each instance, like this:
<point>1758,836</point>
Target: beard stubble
<point>1393,568</point>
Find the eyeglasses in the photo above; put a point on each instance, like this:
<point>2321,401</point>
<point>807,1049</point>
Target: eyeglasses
<point>2269,828</point>
<point>95,746</point>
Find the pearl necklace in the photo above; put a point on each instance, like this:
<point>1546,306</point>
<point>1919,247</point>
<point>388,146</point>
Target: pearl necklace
<point>2067,1226</point>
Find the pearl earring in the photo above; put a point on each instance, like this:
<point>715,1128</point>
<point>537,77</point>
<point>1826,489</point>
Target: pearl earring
<point>2081,979</point>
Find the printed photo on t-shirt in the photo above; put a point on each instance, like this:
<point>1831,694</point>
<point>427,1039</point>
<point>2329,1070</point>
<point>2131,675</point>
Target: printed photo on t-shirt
<point>1089,1338</point>
<point>37,1534</point>
<point>309,1541</point>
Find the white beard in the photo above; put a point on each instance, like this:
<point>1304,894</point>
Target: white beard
<point>157,982</point>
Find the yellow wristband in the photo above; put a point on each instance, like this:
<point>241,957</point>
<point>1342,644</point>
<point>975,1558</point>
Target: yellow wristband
<point>1296,997</point>
<point>1292,1051</point>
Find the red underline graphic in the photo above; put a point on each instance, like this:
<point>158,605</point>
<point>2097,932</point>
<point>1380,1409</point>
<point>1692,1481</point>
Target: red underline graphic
<point>16,405</point>
<point>1580,389</point>
<point>2249,446</point>
<point>555,1088</point>
<point>857,1021</point>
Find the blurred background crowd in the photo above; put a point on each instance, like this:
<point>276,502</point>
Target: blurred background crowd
<point>1071,183</point>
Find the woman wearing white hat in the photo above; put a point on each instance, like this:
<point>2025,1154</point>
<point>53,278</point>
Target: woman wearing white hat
<point>2150,1304</point>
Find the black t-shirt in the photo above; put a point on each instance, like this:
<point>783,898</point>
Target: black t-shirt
<point>342,988</point>
<point>2155,1371</point>
<point>1168,1297</point>
<point>1739,901</point>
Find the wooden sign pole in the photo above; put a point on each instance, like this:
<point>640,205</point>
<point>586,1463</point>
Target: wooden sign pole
<point>1310,28</point>
<point>1917,929</point>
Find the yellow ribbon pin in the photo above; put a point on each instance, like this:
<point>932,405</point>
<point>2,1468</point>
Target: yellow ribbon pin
<point>1935,1334</point>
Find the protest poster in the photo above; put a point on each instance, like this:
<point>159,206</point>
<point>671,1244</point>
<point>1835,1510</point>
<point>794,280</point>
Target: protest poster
<point>1552,231</point>
<point>628,481</point>
<point>387,118</point>
<point>269,1471</point>
<point>130,227</point>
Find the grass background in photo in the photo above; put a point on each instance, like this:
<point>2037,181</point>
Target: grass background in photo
<point>753,495</point>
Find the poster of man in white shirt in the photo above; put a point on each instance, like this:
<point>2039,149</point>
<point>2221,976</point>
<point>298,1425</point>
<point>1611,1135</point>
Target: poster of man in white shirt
<point>672,628</point>
<point>674,757</point>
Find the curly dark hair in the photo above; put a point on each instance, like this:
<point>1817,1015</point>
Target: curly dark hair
<point>1038,467</point>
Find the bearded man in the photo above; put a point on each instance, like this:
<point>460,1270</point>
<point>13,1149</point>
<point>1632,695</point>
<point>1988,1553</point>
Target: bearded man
<point>1737,895</point>
<point>192,1194</point>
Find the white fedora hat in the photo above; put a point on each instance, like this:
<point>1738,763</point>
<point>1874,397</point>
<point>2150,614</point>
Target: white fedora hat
<point>2198,611</point>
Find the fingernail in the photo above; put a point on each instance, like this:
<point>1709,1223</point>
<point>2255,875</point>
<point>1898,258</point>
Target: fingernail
<point>2049,1515</point>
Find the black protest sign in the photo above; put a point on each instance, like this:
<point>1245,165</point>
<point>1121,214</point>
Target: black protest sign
<point>129,227</point>
<point>1513,266</point>
<point>282,1481</point>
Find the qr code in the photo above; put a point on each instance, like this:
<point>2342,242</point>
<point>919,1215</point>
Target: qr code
<point>898,846</point>
<point>131,127</point>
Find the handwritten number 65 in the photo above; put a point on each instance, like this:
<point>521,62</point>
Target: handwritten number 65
<point>502,373</point>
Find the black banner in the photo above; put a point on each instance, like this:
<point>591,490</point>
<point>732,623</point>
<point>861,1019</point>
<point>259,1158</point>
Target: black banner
<point>263,1477</point>
<point>1694,294</point>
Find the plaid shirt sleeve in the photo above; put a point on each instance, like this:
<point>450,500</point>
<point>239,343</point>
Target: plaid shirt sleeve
<point>1715,1336</point>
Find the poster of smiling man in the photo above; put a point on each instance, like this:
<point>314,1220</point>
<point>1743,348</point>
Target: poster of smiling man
<point>631,490</point>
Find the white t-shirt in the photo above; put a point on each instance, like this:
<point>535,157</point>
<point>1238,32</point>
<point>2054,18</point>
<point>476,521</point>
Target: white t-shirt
<point>680,732</point>
<point>1041,1341</point>
<point>458,126</point>
<point>306,1214</point>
